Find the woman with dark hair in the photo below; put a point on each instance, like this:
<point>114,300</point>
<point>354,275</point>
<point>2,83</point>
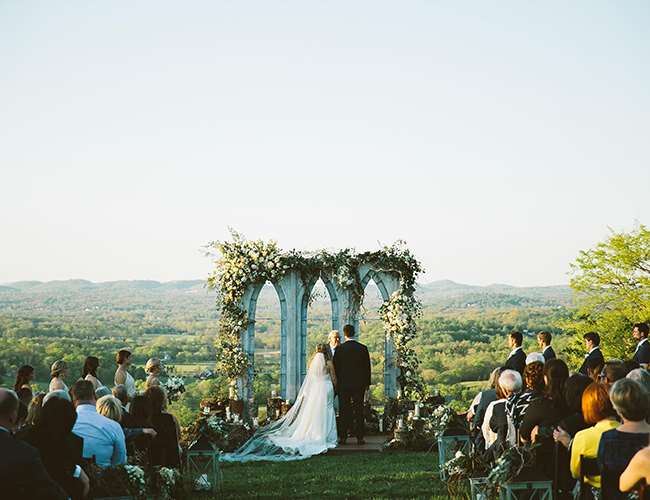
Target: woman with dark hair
<point>140,417</point>
<point>573,390</point>
<point>60,449</point>
<point>89,371</point>
<point>122,376</point>
<point>164,447</point>
<point>23,386</point>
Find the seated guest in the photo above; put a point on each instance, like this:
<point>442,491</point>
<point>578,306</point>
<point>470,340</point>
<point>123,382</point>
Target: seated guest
<point>614,370</point>
<point>517,357</point>
<point>33,413</point>
<point>574,388</point>
<point>153,369</point>
<point>642,351</point>
<point>22,473</point>
<point>545,413</point>
<point>23,386</point>
<point>480,405</point>
<point>487,394</point>
<point>110,407</point>
<point>119,391</point>
<point>637,470</point>
<point>641,377</point>
<point>535,357</point>
<point>103,438</point>
<point>544,342</point>
<point>629,365</point>
<point>89,371</point>
<point>594,367</point>
<point>140,447</point>
<point>59,394</point>
<point>594,355</point>
<point>598,411</point>
<point>60,449</point>
<point>618,446</point>
<point>517,405</point>
<point>58,372</point>
<point>164,447</point>
<point>495,427</point>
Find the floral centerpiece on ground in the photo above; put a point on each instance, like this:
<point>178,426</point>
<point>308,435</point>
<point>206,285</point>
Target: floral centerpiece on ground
<point>121,480</point>
<point>166,483</point>
<point>459,469</point>
<point>225,436</point>
<point>509,465</point>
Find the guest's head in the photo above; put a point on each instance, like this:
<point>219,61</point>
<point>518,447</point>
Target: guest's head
<point>612,371</point>
<point>153,366</point>
<point>34,409</point>
<point>90,366</point>
<point>592,339</point>
<point>24,376</point>
<point>544,339</point>
<point>123,357</point>
<point>596,405</point>
<point>334,338</point>
<point>510,382</point>
<point>534,376</point>
<point>535,357</point>
<point>9,404</point>
<point>641,377</point>
<point>556,374</point>
<point>640,331</point>
<point>348,331</point>
<point>574,388</point>
<point>59,369</point>
<point>57,419</point>
<point>629,365</point>
<point>119,391</point>
<point>594,368</point>
<point>140,411</point>
<point>83,393</point>
<point>157,399</point>
<point>515,339</point>
<point>629,399</point>
<point>493,381</point>
<point>102,391</point>
<point>59,394</point>
<point>110,407</point>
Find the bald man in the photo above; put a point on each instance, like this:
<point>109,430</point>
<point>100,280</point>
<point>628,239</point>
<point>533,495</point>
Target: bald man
<point>22,474</point>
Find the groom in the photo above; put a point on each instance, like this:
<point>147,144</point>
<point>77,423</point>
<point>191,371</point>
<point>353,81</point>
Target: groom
<point>352,366</point>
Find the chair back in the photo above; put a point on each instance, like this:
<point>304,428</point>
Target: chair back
<point>588,467</point>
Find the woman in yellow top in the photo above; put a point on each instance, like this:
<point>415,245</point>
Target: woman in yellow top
<point>597,410</point>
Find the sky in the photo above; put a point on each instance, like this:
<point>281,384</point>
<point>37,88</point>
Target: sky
<point>498,139</point>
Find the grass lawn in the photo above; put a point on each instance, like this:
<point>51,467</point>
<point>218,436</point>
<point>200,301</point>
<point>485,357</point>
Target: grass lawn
<point>364,475</point>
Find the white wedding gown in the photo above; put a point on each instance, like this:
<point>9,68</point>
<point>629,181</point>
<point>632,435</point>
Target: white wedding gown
<point>308,428</point>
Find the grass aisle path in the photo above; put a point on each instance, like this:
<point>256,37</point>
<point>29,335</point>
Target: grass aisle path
<point>363,475</point>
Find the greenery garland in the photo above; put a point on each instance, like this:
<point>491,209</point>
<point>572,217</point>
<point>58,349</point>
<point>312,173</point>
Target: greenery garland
<point>241,263</point>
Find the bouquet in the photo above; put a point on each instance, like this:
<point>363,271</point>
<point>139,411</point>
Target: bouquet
<point>509,465</point>
<point>440,419</point>
<point>166,482</point>
<point>174,386</point>
<point>459,469</point>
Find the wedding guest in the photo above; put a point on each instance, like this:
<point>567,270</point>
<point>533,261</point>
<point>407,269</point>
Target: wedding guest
<point>102,391</point>
<point>110,407</point>
<point>103,438</point>
<point>594,367</point>
<point>89,371</point>
<point>612,371</point>
<point>618,446</point>
<point>122,376</point>
<point>598,412</point>
<point>23,386</point>
<point>164,447</point>
<point>574,388</point>
<point>22,474</point>
<point>334,340</point>
<point>535,357</point>
<point>153,369</point>
<point>544,341</point>
<point>60,394</point>
<point>594,356</point>
<point>509,384</point>
<point>34,410</point>
<point>517,406</point>
<point>642,377</point>
<point>140,417</point>
<point>637,470</point>
<point>479,407</point>
<point>517,357</point>
<point>642,351</point>
<point>629,365</point>
<point>58,372</point>
<point>60,449</point>
<point>119,391</point>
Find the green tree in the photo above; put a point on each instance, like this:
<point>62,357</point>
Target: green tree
<point>612,288</point>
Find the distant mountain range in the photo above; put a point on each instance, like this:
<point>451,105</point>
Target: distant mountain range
<point>443,294</point>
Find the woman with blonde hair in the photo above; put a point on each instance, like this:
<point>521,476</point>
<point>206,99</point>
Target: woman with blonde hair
<point>153,369</point>
<point>110,407</point>
<point>58,371</point>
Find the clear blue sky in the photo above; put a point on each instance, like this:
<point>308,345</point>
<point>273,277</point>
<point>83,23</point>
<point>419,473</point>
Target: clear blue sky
<point>496,138</point>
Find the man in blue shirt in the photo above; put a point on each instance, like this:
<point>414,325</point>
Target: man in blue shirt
<point>103,437</point>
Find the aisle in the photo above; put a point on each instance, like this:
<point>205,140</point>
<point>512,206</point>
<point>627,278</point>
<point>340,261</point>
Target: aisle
<point>373,444</point>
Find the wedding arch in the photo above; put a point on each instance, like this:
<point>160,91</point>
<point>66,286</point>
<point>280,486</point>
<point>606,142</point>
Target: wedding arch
<point>242,267</point>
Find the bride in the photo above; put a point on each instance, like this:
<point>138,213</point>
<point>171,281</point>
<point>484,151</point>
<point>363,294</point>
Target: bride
<point>308,429</point>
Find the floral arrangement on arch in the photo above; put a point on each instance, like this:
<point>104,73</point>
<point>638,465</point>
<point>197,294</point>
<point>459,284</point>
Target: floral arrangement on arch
<point>241,263</point>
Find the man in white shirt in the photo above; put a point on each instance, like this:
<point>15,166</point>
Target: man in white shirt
<point>103,437</point>
<point>334,341</point>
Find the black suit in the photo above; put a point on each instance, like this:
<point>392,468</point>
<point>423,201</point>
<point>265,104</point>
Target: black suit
<point>642,354</point>
<point>594,358</point>
<point>352,366</point>
<point>517,361</point>
<point>22,474</point>
<point>549,354</point>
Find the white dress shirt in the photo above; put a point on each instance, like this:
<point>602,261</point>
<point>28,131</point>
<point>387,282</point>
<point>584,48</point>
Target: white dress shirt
<point>103,437</point>
<point>592,350</point>
<point>512,353</point>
